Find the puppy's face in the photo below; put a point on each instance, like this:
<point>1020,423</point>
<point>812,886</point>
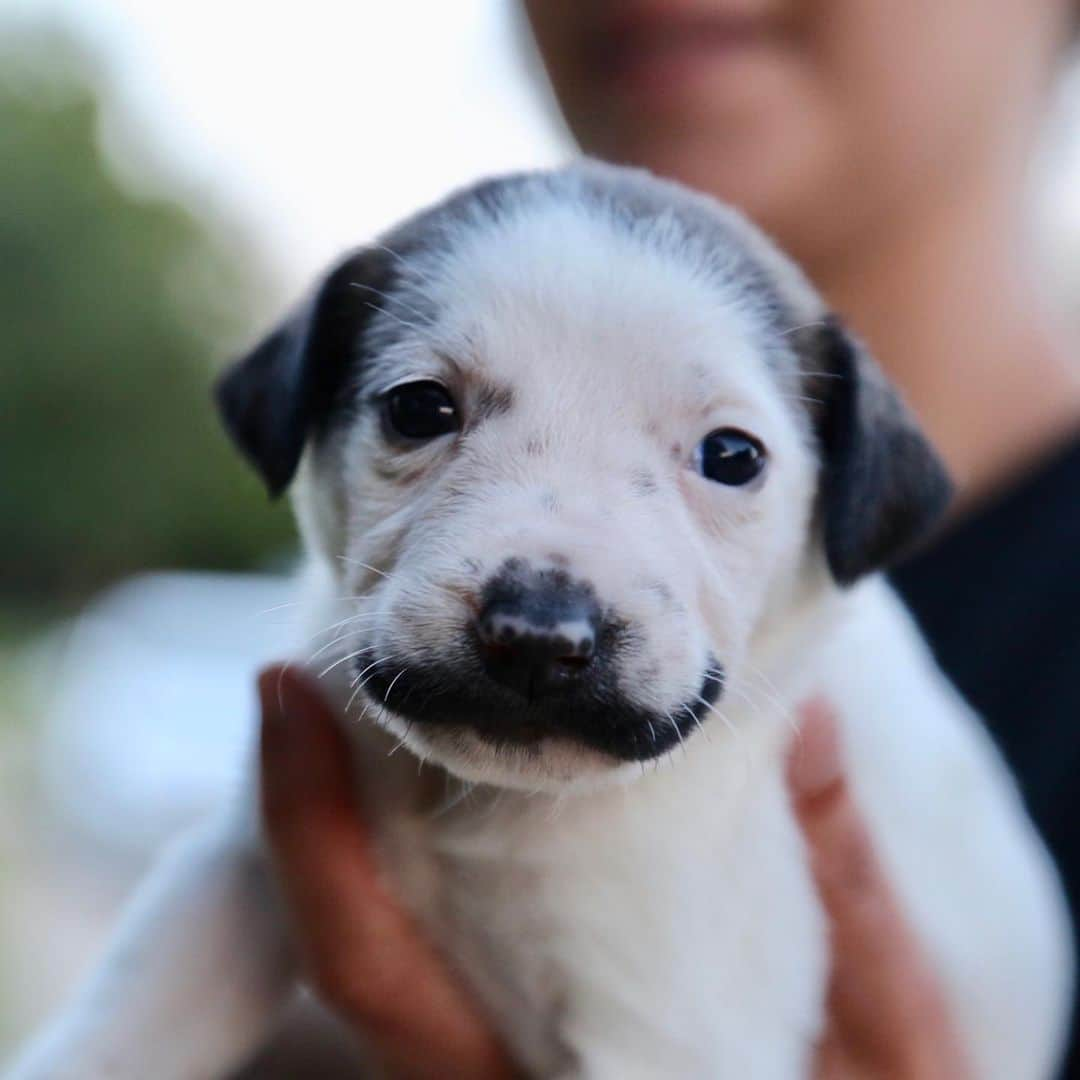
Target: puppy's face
<point>567,456</point>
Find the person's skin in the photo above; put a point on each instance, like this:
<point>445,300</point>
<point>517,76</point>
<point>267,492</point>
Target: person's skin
<point>887,147</point>
<point>370,962</point>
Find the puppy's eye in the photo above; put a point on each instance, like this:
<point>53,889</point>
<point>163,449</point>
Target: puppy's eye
<point>421,410</point>
<point>730,456</point>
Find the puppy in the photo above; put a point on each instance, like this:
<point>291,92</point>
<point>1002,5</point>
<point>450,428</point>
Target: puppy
<point>595,491</point>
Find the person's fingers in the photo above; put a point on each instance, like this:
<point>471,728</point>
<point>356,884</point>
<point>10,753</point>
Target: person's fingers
<point>885,1002</point>
<point>362,951</point>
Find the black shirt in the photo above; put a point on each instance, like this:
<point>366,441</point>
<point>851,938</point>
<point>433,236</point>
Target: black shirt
<point>998,597</point>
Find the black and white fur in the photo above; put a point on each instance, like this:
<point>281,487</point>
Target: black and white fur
<point>617,875</point>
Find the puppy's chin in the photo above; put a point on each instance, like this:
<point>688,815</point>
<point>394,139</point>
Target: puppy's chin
<point>555,764</point>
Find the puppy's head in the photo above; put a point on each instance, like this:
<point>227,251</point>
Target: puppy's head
<point>570,440</point>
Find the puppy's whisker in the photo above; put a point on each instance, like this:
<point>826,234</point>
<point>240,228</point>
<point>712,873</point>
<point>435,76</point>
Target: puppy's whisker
<point>352,698</point>
<point>748,698</point>
<point>713,709</point>
<point>762,678</point>
<point>355,617</point>
<point>408,268</point>
<point>280,696</point>
<point>821,375</point>
<point>394,254</point>
<point>397,318</point>
<point>365,566</point>
<point>279,607</point>
<point>360,682</point>
<point>392,299</point>
<point>349,620</point>
<point>393,683</point>
<point>341,660</point>
<point>297,604</point>
<point>755,696</point>
<point>357,690</point>
<point>465,790</point>
<point>678,731</point>
<point>330,644</point>
<point>803,326</point>
<point>772,695</point>
<point>374,664</point>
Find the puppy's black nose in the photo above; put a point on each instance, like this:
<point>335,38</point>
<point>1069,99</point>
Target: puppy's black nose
<point>537,630</point>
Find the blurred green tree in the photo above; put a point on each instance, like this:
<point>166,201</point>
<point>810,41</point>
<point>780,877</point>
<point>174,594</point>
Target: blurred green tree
<point>114,311</point>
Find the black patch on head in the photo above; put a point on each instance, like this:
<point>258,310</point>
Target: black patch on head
<point>883,487</point>
<point>283,392</point>
<point>643,482</point>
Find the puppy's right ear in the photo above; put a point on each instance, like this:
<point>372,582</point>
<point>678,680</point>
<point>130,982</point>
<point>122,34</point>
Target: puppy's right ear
<point>883,488</point>
<point>281,393</point>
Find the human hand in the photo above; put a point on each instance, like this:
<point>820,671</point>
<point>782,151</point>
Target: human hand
<point>886,1011</point>
<point>361,952</point>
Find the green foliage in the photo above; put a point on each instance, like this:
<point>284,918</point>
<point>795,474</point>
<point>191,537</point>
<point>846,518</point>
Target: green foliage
<point>113,314</point>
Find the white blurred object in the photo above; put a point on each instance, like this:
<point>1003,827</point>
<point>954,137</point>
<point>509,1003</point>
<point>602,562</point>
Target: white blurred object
<point>318,124</point>
<point>150,710</point>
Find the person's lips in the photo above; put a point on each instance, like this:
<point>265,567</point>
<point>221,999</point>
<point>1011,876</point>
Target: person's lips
<point>650,48</point>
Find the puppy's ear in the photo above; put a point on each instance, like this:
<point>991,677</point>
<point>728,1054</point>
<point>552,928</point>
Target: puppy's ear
<point>882,487</point>
<point>274,398</point>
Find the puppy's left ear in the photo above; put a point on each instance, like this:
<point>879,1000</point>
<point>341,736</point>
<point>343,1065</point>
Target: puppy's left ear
<point>883,487</point>
<point>277,396</point>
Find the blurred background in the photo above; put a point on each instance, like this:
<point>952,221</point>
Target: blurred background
<point>171,177</point>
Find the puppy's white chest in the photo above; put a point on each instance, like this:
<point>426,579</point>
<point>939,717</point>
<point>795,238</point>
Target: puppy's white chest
<point>670,925</point>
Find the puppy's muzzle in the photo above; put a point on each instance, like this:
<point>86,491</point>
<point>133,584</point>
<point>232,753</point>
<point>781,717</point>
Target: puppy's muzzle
<point>537,632</point>
<point>539,657</point>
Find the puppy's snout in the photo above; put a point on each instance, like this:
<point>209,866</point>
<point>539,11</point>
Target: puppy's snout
<point>537,630</point>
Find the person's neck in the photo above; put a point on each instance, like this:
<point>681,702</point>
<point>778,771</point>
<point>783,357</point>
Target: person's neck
<point>954,311</point>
